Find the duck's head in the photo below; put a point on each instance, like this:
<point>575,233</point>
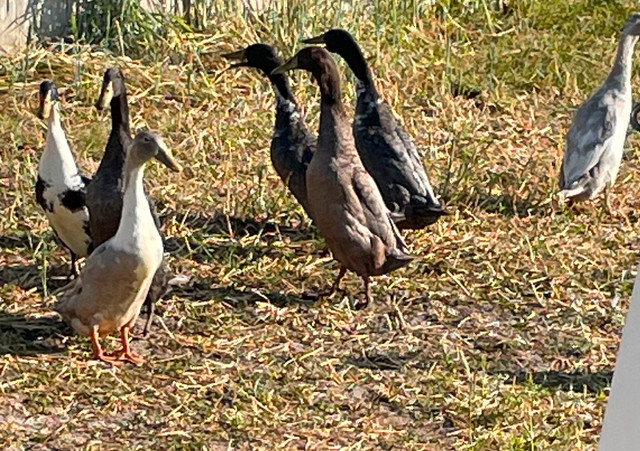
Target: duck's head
<point>335,40</point>
<point>632,27</point>
<point>312,59</point>
<point>147,145</point>
<point>260,56</point>
<point>48,97</point>
<point>112,86</point>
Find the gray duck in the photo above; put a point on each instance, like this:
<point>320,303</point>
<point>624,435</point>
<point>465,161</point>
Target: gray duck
<point>595,141</point>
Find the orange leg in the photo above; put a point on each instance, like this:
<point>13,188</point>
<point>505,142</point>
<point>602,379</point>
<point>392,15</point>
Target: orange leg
<point>126,353</point>
<point>98,353</point>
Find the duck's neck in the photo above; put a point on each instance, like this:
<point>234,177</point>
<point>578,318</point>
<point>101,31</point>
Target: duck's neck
<point>352,54</point>
<point>286,105</point>
<point>115,152</point>
<point>621,71</point>
<point>136,220</point>
<point>57,160</point>
<point>332,113</point>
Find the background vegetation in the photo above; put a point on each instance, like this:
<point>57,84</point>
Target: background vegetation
<point>501,337</point>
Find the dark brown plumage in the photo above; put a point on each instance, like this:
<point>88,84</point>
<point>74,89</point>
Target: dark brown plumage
<point>345,202</point>
<point>292,145</point>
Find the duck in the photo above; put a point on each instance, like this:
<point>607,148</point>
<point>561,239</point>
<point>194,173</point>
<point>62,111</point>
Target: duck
<point>292,144</point>
<point>107,295</point>
<point>60,188</point>
<point>635,124</point>
<point>346,204</point>
<point>104,196</point>
<point>596,137</point>
<point>386,149</point>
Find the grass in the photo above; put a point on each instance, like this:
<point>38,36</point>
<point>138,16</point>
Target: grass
<point>501,337</point>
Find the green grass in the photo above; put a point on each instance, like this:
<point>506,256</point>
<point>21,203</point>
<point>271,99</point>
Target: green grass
<point>501,337</point>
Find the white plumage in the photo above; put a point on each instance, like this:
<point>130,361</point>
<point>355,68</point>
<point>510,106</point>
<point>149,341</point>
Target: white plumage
<point>60,189</point>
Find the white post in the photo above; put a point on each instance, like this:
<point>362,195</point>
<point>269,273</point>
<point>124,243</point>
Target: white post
<point>621,427</point>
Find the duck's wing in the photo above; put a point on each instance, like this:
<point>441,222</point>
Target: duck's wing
<point>374,213</point>
<point>589,136</point>
<point>389,154</point>
<point>73,200</point>
<point>292,149</point>
<point>41,185</point>
<point>106,280</point>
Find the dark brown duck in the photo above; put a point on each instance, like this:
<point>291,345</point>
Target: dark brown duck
<point>292,144</point>
<point>386,149</point>
<point>345,202</point>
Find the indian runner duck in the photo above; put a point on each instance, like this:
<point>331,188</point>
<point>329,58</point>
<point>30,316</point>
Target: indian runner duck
<point>634,117</point>
<point>292,144</point>
<point>60,189</point>
<point>104,194</point>
<point>345,202</point>
<point>386,149</point>
<point>112,286</point>
<point>595,141</point>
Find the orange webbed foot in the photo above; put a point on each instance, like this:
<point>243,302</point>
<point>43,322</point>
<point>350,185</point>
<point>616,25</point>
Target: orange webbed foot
<point>98,353</point>
<point>127,355</point>
<point>115,361</point>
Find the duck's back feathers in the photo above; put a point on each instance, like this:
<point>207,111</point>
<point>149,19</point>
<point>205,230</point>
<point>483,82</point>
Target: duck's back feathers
<point>105,293</point>
<point>351,215</point>
<point>389,154</point>
<point>292,147</point>
<point>594,146</point>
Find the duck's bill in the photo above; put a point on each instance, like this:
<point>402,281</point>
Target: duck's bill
<point>106,94</point>
<point>236,56</point>
<point>314,40</point>
<point>289,65</point>
<point>46,103</point>
<point>164,156</point>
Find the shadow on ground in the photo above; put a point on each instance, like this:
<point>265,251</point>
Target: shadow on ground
<point>29,277</point>
<point>382,361</point>
<point>576,381</point>
<point>223,225</point>
<point>238,298</point>
<point>27,336</point>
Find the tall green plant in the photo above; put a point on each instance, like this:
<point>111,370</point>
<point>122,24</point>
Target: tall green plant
<point>123,26</point>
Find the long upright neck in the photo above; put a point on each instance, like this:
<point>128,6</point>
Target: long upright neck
<point>286,105</point>
<point>621,71</point>
<point>281,86</point>
<point>352,54</point>
<point>115,152</point>
<point>136,217</point>
<point>332,113</point>
<point>57,161</point>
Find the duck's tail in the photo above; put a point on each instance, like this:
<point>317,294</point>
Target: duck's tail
<point>396,259</point>
<point>577,191</point>
<point>421,213</point>
<point>62,306</point>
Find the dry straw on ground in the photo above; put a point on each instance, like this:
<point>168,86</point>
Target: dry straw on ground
<point>501,337</point>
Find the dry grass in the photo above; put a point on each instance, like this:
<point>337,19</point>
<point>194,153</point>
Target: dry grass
<point>502,337</point>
